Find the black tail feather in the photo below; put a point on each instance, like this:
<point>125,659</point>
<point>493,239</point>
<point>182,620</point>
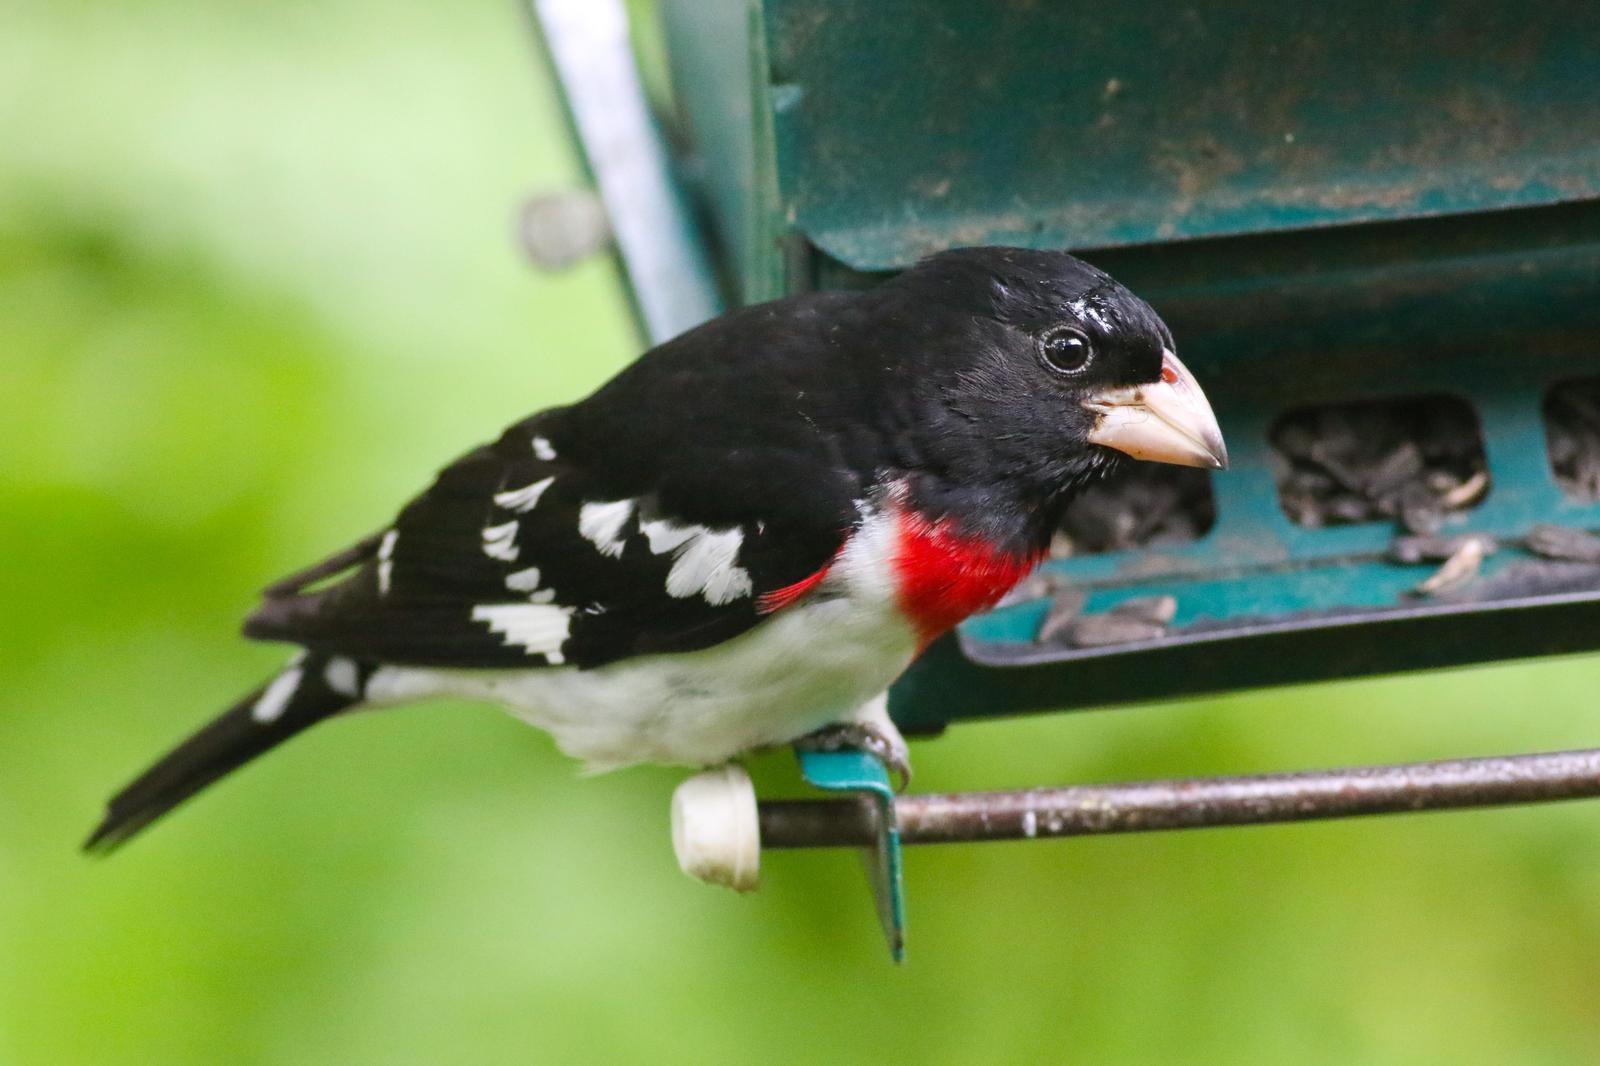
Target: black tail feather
<point>299,697</point>
<point>337,563</point>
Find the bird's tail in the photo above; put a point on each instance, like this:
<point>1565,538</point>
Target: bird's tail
<point>309,689</point>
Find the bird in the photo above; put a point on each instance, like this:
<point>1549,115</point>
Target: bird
<point>743,538</point>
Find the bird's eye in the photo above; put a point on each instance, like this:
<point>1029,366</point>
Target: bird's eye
<point>1066,350</point>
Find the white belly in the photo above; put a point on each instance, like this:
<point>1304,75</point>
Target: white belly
<point>807,666</point>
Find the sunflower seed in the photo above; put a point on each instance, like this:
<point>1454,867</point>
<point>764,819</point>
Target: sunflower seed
<point>1434,549</point>
<point>1462,566</point>
<point>1412,461</point>
<point>1563,542</point>
<point>1065,607</point>
<point>1100,630</point>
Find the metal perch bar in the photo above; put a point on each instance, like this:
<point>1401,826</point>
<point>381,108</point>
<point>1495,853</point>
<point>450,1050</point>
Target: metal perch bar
<point>1192,803</point>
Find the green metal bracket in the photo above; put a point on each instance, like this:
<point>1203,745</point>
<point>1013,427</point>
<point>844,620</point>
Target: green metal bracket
<point>864,774</point>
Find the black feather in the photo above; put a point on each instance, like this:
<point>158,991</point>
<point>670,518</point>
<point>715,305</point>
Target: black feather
<point>223,745</point>
<point>332,566</point>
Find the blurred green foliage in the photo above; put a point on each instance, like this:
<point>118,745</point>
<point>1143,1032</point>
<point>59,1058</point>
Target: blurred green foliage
<point>256,283</point>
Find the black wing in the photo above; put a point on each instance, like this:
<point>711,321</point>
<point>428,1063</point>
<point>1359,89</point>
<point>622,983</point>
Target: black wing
<point>671,511</point>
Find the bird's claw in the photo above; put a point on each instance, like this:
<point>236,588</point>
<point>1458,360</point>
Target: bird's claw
<point>889,750</point>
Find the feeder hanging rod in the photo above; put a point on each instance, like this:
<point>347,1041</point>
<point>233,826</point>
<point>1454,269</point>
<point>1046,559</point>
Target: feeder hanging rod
<point>1193,803</point>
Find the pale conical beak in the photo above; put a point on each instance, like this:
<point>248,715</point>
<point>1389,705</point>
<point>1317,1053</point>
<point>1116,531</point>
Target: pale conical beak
<point>1168,421</point>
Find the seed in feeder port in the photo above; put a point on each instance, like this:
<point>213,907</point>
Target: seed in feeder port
<point>1467,493</point>
<point>1572,436</point>
<point>1422,521</point>
<point>1138,505</point>
<point>1157,610</point>
<point>1411,461</point>
<point>1563,542</point>
<point>1065,607</point>
<point>1103,630</point>
<point>1036,586</point>
<point>1142,618</point>
<point>1394,472</point>
<point>1435,549</point>
<point>1462,566</point>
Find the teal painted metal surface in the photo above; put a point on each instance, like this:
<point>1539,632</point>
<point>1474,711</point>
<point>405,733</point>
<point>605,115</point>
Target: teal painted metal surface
<point>723,93</point>
<point>861,773</point>
<point>900,127</point>
<point>1092,125</point>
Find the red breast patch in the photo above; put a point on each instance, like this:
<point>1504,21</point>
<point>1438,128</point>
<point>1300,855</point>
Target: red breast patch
<point>944,576</point>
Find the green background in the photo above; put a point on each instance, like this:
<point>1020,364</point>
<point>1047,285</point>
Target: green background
<point>257,281</point>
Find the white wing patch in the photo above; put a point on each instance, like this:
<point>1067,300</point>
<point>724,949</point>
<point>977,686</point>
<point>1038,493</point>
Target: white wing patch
<point>343,677</point>
<point>664,535</point>
<point>275,700</point>
<point>500,542</point>
<point>524,499</point>
<point>539,628</point>
<point>542,450</point>
<point>386,560</point>
<point>601,524</point>
<point>704,561</point>
<point>523,580</point>
<point>528,581</point>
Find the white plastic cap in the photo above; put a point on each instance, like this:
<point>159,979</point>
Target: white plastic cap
<point>715,829</point>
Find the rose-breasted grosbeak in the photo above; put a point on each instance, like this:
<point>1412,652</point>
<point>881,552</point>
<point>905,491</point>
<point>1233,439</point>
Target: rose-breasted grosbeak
<point>741,539</point>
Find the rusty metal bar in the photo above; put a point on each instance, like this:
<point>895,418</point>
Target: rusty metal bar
<point>1193,803</point>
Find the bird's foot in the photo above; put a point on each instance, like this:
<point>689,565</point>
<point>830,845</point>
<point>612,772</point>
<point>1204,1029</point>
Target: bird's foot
<point>888,746</point>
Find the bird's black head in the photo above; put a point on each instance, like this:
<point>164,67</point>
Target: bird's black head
<point>1030,372</point>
